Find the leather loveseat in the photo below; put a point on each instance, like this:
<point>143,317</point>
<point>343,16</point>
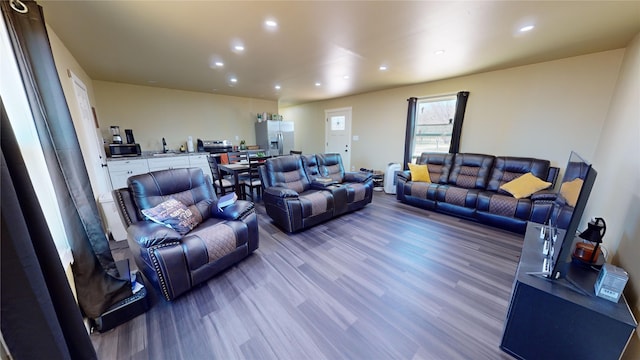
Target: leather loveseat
<point>189,240</point>
<point>469,186</point>
<point>295,197</point>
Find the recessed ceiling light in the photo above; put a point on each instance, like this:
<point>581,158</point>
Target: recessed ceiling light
<point>346,77</point>
<point>383,67</point>
<point>152,81</point>
<point>318,84</point>
<point>277,87</point>
<point>233,80</point>
<point>239,47</point>
<point>527,28</point>
<point>439,52</point>
<point>219,64</point>
<point>271,23</point>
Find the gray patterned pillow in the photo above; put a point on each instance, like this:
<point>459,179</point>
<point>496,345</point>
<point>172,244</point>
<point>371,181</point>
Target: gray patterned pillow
<point>174,214</point>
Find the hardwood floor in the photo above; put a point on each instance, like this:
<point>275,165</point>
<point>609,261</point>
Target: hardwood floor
<point>389,281</point>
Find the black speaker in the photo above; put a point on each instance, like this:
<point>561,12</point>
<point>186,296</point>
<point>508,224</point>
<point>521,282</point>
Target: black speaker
<point>126,309</point>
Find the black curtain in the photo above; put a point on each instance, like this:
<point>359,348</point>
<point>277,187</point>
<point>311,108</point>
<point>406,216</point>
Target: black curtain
<point>98,283</point>
<point>39,315</point>
<point>411,122</point>
<point>461,106</point>
<point>454,147</point>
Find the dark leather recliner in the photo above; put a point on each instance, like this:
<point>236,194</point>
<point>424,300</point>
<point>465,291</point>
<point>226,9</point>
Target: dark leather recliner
<point>175,262</point>
<point>295,201</point>
<point>358,186</point>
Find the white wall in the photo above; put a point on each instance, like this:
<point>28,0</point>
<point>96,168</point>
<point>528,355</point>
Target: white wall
<point>65,62</point>
<point>543,110</point>
<point>153,113</point>
<point>616,193</point>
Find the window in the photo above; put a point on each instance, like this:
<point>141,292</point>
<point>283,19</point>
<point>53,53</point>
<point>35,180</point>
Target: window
<point>433,125</point>
<point>19,113</point>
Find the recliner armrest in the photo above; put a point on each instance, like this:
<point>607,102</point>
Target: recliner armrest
<point>404,175</point>
<point>357,176</point>
<point>147,233</point>
<point>281,192</point>
<point>235,211</point>
<point>544,195</point>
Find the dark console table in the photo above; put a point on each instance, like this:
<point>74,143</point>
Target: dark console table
<point>562,319</point>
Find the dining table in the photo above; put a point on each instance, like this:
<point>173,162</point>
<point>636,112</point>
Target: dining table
<point>241,167</point>
<point>236,169</point>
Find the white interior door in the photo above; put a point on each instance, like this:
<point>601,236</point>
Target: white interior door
<point>338,134</point>
<point>90,140</point>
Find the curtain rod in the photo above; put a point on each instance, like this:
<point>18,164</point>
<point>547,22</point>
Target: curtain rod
<point>19,6</point>
<point>436,96</point>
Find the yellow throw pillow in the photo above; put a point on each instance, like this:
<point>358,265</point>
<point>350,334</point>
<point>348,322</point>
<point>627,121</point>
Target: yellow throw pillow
<point>419,173</point>
<point>524,185</point>
<point>570,191</point>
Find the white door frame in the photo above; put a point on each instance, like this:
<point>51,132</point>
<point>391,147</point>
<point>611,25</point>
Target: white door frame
<point>91,143</point>
<point>345,153</point>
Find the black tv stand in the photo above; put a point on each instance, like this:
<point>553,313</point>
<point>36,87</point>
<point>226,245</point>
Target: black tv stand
<point>562,318</point>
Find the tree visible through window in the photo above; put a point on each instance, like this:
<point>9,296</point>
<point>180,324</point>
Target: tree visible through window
<point>433,125</point>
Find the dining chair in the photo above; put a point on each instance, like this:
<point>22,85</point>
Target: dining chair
<point>253,180</point>
<point>236,156</point>
<point>221,184</point>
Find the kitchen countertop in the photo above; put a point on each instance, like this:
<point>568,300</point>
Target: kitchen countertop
<point>155,155</point>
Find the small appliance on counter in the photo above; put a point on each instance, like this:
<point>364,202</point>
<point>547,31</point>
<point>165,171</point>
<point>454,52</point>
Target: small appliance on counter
<point>214,146</point>
<point>129,135</point>
<point>115,135</point>
<point>190,144</point>
<point>122,150</point>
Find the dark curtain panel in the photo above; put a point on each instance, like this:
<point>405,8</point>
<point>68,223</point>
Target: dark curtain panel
<point>98,283</point>
<point>411,123</point>
<point>39,315</point>
<point>461,106</point>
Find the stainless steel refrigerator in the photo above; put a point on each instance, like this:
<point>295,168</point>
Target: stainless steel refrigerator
<point>276,137</point>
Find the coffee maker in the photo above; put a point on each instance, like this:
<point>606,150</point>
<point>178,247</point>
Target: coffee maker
<point>115,135</point>
<point>129,135</point>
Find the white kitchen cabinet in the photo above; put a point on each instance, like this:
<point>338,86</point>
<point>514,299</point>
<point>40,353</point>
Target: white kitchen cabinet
<point>201,161</point>
<point>121,170</point>
<point>169,162</point>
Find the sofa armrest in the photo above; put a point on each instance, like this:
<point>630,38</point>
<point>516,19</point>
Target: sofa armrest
<point>357,177</point>
<point>281,192</point>
<point>404,175</point>
<point>544,195</point>
<point>235,211</point>
<point>148,234</point>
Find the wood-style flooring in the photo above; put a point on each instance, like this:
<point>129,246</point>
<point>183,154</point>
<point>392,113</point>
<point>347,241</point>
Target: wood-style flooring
<point>390,281</point>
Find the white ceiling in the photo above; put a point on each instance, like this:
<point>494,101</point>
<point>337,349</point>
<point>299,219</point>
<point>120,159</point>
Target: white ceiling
<point>172,44</point>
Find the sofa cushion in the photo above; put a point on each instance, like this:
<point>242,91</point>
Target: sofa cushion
<point>419,173</point>
<point>508,168</point>
<point>174,214</point>
<point>471,171</point>
<point>524,185</point>
<point>315,203</point>
<point>310,163</point>
<point>570,191</point>
<point>439,166</point>
<point>217,240</point>
<point>287,172</point>
<point>330,165</point>
<point>189,186</point>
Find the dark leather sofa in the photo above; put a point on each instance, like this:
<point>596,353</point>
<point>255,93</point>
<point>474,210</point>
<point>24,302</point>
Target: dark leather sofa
<point>175,262</point>
<point>468,186</point>
<point>295,199</point>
